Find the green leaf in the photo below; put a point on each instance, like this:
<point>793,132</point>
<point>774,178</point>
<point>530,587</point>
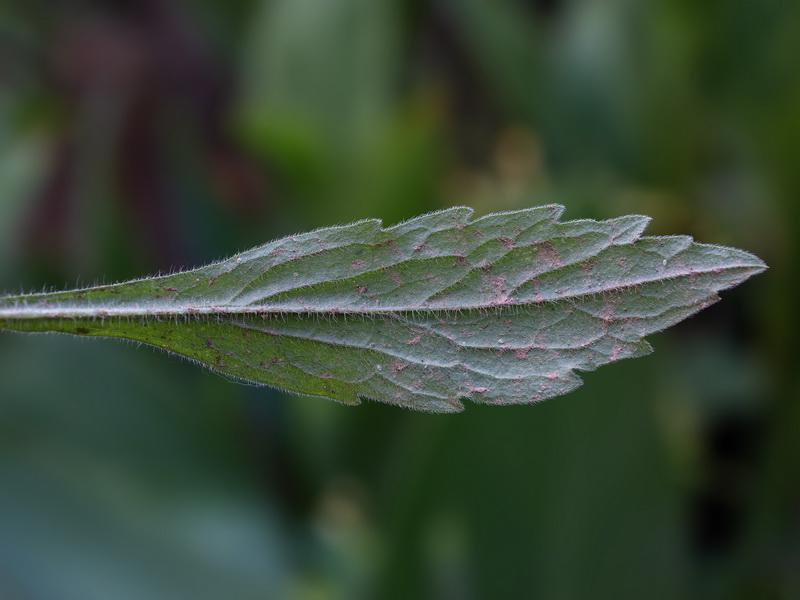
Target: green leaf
<point>500,310</point>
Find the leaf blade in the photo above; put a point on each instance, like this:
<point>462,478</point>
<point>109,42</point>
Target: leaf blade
<point>501,309</point>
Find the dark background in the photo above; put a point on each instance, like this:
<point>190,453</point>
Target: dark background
<point>150,135</point>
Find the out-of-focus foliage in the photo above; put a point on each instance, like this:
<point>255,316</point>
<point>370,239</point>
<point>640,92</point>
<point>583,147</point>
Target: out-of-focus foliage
<point>137,136</point>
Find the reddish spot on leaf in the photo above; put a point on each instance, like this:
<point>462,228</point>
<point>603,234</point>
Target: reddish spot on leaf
<point>507,242</point>
<point>398,367</point>
<point>521,353</point>
<point>499,285</point>
<point>548,256</point>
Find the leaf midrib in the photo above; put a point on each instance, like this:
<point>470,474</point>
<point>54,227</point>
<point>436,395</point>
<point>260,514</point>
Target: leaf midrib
<point>27,311</point>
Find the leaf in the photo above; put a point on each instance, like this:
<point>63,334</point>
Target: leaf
<point>501,310</point>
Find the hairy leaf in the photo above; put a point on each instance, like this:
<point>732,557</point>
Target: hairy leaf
<point>502,309</point>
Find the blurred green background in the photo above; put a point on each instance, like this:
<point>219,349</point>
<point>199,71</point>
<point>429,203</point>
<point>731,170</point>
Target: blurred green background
<point>149,135</point>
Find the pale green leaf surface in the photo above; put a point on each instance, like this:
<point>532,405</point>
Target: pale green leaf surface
<point>501,310</point>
